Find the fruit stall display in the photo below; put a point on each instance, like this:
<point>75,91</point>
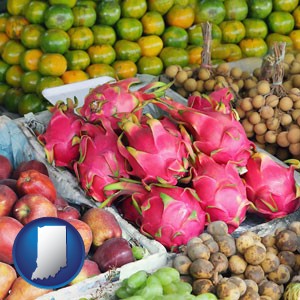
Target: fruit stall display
<point>50,43</point>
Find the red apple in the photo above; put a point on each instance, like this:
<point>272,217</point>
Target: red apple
<point>6,167</point>
<point>60,202</point>
<point>12,183</point>
<point>68,212</point>
<point>85,231</point>
<point>30,165</point>
<point>9,228</point>
<point>113,253</point>
<point>89,269</point>
<point>34,182</point>
<point>21,289</point>
<point>7,199</point>
<point>33,206</point>
<point>7,276</point>
<point>103,223</point>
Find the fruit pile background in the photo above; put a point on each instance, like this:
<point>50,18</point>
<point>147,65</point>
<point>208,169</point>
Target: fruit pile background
<point>50,43</point>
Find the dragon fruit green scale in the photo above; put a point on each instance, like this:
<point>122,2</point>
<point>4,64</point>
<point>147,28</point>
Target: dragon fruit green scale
<point>271,187</point>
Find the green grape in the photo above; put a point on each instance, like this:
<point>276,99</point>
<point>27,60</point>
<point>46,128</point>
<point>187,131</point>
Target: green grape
<point>166,275</point>
<point>137,279</point>
<point>206,296</point>
<point>138,252</point>
<point>173,297</point>
<point>170,288</point>
<point>135,298</point>
<point>184,288</point>
<point>152,280</point>
<point>150,291</point>
<point>121,293</point>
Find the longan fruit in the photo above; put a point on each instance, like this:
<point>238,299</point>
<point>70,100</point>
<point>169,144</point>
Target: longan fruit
<point>209,85</point>
<point>282,140</point>
<point>248,127</point>
<point>254,117</point>
<point>272,100</point>
<point>258,101</point>
<point>287,85</point>
<point>294,94</point>
<point>189,71</point>
<point>298,120</point>
<point>235,87</point>
<point>296,104</point>
<point>260,138</point>
<point>245,75</point>
<point>172,70</point>
<point>181,77</point>
<point>266,112</point>
<point>257,72</point>
<point>294,149</point>
<point>249,83</point>
<point>190,85</point>
<point>196,93</point>
<point>271,136</point>
<point>272,123</point>
<point>236,72</point>
<point>285,103</point>
<point>203,74</point>
<point>286,119</point>
<point>252,92</point>
<point>295,113</point>
<point>246,104</point>
<point>263,87</point>
<point>200,86</point>
<point>182,92</point>
<point>223,68</point>
<point>289,57</point>
<point>295,67</point>
<point>294,135</point>
<point>240,112</point>
<point>296,80</point>
<point>260,128</point>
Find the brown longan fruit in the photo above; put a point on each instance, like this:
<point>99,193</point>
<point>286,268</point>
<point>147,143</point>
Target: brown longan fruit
<point>282,140</point>
<point>295,67</point>
<point>203,74</point>
<point>260,128</point>
<point>294,135</point>
<point>272,100</point>
<point>285,103</point>
<point>296,104</point>
<point>263,87</point>
<point>181,77</point>
<point>245,75</point>
<point>200,86</point>
<point>254,117</point>
<point>209,85</point>
<point>246,104</point>
<point>172,70</point>
<point>190,84</point>
<point>260,138</point>
<point>223,68</point>
<point>257,72</point>
<point>296,80</point>
<point>182,92</point>
<point>298,120</point>
<point>294,94</point>
<point>272,123</point>
<point>266,112</point>
<point>289,57</point>
<point>294,149</point>
<point>258,101</point>
<point>240,112</point>
<point>286,119</point>
<point>252,92</point>
<point>271,136</point>
<point>236,72</point>
<point>287,85</point>
<point>249,83</point>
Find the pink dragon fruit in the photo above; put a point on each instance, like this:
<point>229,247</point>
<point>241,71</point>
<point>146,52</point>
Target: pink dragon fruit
<point>217,134</point>
<point>62,136</point>
<point>221,191</point>
<point>271,186</point>
<point>155,150</point>
<point>100,162</point>
<point>171,215</point>
<point>116,100</point>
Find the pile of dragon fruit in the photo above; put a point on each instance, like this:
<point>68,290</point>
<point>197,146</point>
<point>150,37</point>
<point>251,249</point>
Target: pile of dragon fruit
<point>169,175</point>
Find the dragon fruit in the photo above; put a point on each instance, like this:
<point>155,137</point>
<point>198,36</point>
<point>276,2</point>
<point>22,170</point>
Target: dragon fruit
<point>155,149</point>
<point>100,162</point>
<point>221,191</point>
<point>171,215</point>
<point>116,100</point>
<point>271,186</point>
<point>62,136</point>
<point>217,134</point>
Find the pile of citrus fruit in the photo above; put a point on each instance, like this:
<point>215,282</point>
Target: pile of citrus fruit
<point>55,42</point>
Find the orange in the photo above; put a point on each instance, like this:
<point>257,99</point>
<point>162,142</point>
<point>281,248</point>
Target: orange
<point>3,89</point>
<point>30,36</point>
<point>69,3</point>
<point>84,15</point>
<point>181,16</point>
<point>161,6</point>
<point>3,20</point>
<point>256,47</point>
<point>108,12</point>
<point>153,23</point>
<point>58,16</point>
<point>55,41</point>
<point>16,7</point>
<point>3,68</point>
<point>104,34</point>
<point>133,8</point>
<point>102,54</point>
<point>235,52</point>
<point>220,51</point>
<point>12,98</point>
<point>151,45</point>
<point>3,39</point>
<point>29,81</point>
<point>277,37</point>
<point>52,64</point>
<point>13,75</point>
<point>125,69</point>
<point>175,36</point>
<point>11,52</point>
<point>14,26</point>
<point>29,59</point>
<point>295,36</point>
<point>74,76</point>
<point>48,82</point>
<point>81,38</point>
<point>174,56</point>
<point>97,70</point>
<point>34,11</point>
<point>233,31</point>
<point>29,103</point>
<point>77,59</point>
<point>151,65</point>
<point>194,53</point>
<point>127,50</point>
<point>296,15</point>
<point>129,29</point>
